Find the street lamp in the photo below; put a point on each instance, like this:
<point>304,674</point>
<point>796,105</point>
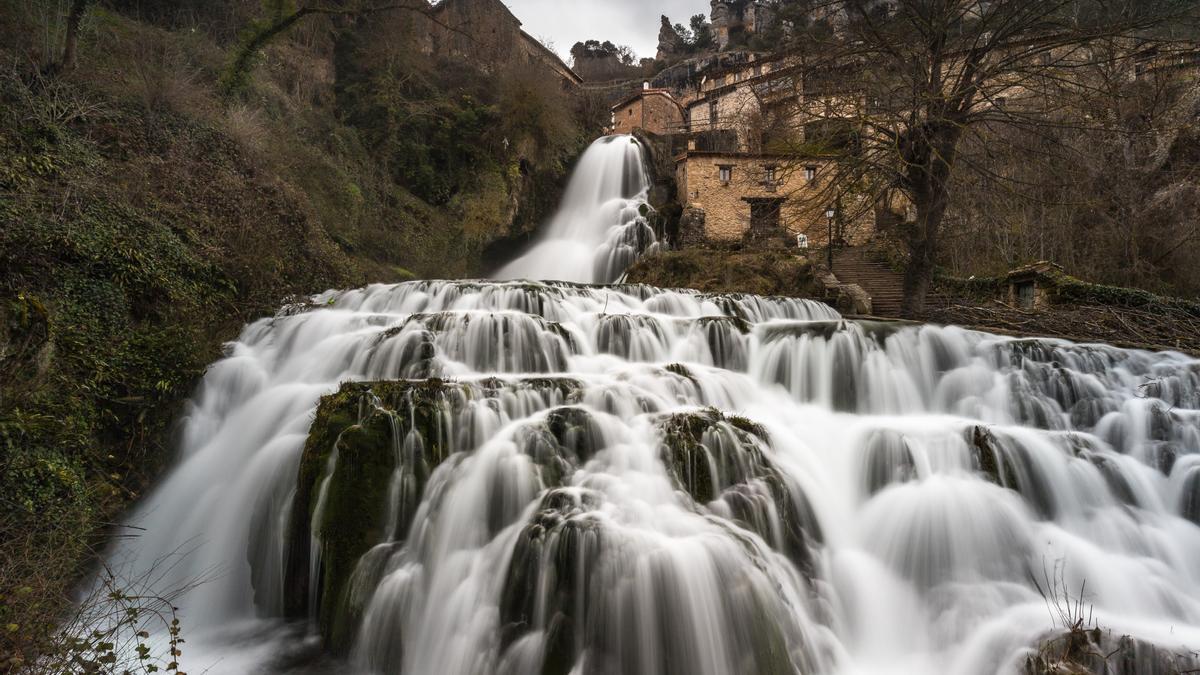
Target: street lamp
<point>830,214</point>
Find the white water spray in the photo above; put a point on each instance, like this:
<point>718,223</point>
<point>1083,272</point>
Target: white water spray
<point>601,228</point>
<point>629,480</point>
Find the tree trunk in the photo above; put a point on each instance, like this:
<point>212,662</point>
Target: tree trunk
<point>918,277</point>
<point>930,171</point>
<point>236,77</point>
<point>71,47</point>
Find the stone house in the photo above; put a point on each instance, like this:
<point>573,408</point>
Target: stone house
<point>1031,286</point>
<point>653,110</point>
<point>487,34</point>
<point>760,197</point>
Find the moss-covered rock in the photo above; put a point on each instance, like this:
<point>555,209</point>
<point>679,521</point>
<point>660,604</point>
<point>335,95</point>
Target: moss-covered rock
<point>557,550</point>
<point>361,437</point>
<point>722,462</point>
<point>1009,464</point>
<point>370,436</point>
<point>728,270</point>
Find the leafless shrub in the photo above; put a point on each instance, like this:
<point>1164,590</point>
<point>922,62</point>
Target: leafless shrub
<point>244,123</point>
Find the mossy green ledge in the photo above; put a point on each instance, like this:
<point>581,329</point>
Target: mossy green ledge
<point>363,437</point>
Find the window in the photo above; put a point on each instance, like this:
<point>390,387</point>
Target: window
<point>712,113</point>
<point>631,112</point>
<point>810,173</point>
<point>770,175</point>
<point>726,173</point>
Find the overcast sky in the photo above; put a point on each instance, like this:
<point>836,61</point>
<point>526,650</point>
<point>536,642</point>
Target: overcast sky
<point>562,23</point>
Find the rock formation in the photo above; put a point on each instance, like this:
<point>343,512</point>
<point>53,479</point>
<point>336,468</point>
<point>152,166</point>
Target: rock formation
<point>670,42</point>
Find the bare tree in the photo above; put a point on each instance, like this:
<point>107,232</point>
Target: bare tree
<point>1115,199</point>
<point>901,85</point>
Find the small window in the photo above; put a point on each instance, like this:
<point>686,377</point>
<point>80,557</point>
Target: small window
<point>726,173</point>
<point>810,173</point>
<point>712,112</point>
<point>770,174</point>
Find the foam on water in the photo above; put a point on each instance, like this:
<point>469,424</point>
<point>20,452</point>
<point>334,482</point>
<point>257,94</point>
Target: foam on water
<point>651,481</point>
<point>875,498</point>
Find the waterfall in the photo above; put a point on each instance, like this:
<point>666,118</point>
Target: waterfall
<point>516,476</point>
<point>601,227</point>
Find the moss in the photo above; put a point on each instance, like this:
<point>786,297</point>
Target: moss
<point>711,455</point>
<point>553,559</point>
<point>725,270</point>
<point>735,323</point>
<point>816,329</point>
<point>371,425</point>
<point>366,425</point>
<point>1011,466</point>
<point>681,370</point>
<point>353,520</point>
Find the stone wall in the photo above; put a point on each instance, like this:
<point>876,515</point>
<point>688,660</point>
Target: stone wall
<point>727,213</point>
<point>487,34</point>
<point>652,111</point>
<point>628,117</point>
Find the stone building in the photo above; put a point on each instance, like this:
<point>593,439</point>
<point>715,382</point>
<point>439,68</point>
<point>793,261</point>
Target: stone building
<point>760,197</point>
<point>653,110</point>
<point>487,34</point>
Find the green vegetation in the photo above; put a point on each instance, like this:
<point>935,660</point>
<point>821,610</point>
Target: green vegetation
<point>729,270</point>
<point>342,496</point>
<point>359,437</point>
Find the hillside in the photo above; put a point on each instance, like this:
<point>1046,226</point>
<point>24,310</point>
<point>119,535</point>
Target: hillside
<point>145,215</point>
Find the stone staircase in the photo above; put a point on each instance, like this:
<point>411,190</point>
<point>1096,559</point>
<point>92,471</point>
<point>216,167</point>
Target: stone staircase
<point>881,282</point>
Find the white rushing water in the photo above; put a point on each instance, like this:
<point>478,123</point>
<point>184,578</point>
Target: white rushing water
<point>600,228</point>
<point>622,479</point>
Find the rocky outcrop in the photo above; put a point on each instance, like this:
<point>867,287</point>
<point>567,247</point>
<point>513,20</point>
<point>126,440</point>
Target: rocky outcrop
<point>846,298</point>
<point>663,196</point>
<point>344,478</point>
<point>670,42</point>
<point>691,227</point>
<point>371,451</point>
<point>717,458</point>
<point>1095,651</point>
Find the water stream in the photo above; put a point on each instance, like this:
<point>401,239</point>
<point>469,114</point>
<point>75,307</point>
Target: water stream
<point>634,480</point>
<point>600,228</point>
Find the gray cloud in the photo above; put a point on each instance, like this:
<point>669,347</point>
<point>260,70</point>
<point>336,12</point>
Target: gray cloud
<point>562,23</point>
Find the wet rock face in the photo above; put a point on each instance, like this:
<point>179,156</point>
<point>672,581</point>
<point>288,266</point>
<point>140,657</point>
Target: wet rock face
<point>723,463</point>
<point>369,457</point>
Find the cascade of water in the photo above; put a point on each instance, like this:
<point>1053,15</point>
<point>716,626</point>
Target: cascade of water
<point>632,480</point>
<point>514,477</point>
<point>600,228</point>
